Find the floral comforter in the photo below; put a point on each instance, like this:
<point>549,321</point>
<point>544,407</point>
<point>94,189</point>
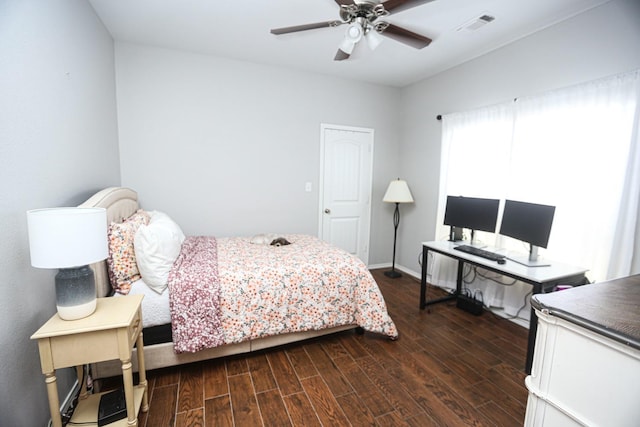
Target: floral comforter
<point>265,290</point>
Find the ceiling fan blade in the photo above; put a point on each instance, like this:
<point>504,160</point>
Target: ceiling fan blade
<point>341,55</point>
<point>403,35</point>
<point>305,27</point>
<point>346,48</point>
<point>395,6</point>
<point>344,2</point>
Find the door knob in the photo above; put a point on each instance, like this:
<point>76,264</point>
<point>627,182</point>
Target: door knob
<point>327,211</point>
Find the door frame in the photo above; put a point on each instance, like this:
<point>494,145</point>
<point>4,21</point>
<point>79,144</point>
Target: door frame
<point>371,132</point>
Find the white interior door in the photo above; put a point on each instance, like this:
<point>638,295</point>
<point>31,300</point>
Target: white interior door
<point>345,188</point>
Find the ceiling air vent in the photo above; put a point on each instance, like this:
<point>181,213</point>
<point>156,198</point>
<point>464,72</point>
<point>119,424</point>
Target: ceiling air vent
<point>477,23</point>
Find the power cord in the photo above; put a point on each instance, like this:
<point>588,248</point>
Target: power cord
<point>66,417</point>
<point>584,281</point>
<point>515,316</point>
<point>499,282</point>
<point>475,272</point>
<point>85,382</point>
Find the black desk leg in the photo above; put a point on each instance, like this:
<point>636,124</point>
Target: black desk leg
<point>459,278</point>
<point>533,329</point>
<point>423,279</point>
<point>423,283</point>
<point>531,343</point>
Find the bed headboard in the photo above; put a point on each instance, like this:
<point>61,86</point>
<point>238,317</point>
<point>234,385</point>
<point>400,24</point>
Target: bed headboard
<point>120,203</point>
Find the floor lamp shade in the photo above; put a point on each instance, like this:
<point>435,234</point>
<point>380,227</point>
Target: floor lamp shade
<point>69,239</point>
<point>397,192</point>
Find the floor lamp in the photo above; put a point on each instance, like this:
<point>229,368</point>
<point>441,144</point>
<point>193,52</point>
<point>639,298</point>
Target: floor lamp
<point>397,192</point>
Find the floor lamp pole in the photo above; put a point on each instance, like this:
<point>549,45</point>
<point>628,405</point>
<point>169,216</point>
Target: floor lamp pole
<point>396,221</point>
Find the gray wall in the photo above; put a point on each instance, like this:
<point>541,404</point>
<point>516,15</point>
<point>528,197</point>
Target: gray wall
<point>598,43</point>
<point>189,122</point>
<point>226,147</point>
<point>58,144</point>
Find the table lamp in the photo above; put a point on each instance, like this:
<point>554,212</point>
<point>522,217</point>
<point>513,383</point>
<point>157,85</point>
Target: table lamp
<point>397,192</point>
<point>69,239</point>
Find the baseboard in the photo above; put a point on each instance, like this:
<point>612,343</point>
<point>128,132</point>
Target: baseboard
<point>398,267</point>
<point>517,320</point>
<point>378,266</point>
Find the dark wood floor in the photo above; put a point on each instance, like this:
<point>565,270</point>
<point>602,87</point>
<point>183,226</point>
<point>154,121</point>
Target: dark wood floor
<point>448,368</point>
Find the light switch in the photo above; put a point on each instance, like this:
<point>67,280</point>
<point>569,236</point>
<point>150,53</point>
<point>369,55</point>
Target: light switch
<point>307,187</point>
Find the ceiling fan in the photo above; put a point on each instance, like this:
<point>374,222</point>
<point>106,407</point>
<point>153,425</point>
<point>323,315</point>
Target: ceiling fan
<point>362,17</point>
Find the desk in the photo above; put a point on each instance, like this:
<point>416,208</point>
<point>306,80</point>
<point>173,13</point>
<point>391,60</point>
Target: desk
<point>541,278</point>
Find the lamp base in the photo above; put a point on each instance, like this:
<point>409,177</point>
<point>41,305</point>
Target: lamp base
<point>393,274</point>
<point>75,293</point>
<point>77,311</point>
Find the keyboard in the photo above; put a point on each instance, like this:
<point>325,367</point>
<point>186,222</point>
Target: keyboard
<point>479,252</point>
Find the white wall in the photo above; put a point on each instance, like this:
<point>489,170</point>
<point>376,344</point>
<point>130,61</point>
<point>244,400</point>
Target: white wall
<point>58,144</point>
<point>598,43</point>
<point>226,147</point>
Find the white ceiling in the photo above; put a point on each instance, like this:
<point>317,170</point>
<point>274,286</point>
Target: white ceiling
<point>240,29</point>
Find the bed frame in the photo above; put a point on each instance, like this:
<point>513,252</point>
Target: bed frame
<point>120,203</point>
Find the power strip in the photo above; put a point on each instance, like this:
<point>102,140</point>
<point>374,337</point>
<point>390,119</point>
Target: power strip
<point>469,304</point>
<point>113,407</point>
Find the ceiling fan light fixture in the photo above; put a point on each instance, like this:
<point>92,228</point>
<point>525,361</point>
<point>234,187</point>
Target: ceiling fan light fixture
<point>354,33</point>
<point>373,39</point>
<point>347,46</point>
<point>362,19</point>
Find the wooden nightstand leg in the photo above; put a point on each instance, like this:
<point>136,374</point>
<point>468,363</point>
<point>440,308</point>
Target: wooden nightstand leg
<point>54,401</point>
<point>127,379</point>
<point>142,373</point>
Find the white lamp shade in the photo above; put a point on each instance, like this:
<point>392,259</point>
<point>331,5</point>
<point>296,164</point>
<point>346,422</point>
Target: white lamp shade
<point>67,237</point>
<point>398,192</point>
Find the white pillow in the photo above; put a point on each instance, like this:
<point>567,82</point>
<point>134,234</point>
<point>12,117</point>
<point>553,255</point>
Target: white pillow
<point>157,245</point>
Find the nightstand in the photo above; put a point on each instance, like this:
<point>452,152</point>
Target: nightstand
<point>109,333</point>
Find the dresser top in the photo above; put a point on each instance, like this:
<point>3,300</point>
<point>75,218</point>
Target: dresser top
<point>610,308</point>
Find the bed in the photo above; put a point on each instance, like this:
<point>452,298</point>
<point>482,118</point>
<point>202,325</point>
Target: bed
<point>240,328</point>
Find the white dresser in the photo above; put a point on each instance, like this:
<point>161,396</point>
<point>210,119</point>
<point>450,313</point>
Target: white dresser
<point>586,364</point>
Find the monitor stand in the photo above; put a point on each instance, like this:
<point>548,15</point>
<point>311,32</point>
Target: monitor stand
<point>474,242</point>
<point>455,234</point>
<point>533,260</point>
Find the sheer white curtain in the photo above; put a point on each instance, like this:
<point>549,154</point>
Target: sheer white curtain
<point>476,148</point>
<point>574,148</point>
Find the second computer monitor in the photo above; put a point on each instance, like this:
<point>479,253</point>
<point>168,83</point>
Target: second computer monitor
<point>472,212</point>
<point>528,222</point>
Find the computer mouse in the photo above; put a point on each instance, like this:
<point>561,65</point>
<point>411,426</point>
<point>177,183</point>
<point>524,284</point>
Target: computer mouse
<point>502,261</point>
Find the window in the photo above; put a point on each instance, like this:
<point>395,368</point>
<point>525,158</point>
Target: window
<point>574,148</point>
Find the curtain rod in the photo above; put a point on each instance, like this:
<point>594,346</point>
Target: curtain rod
<point>439,116</point>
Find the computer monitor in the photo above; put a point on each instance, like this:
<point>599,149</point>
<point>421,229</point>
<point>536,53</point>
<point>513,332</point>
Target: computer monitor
<point>528,222</point>
<point>474,213</point>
